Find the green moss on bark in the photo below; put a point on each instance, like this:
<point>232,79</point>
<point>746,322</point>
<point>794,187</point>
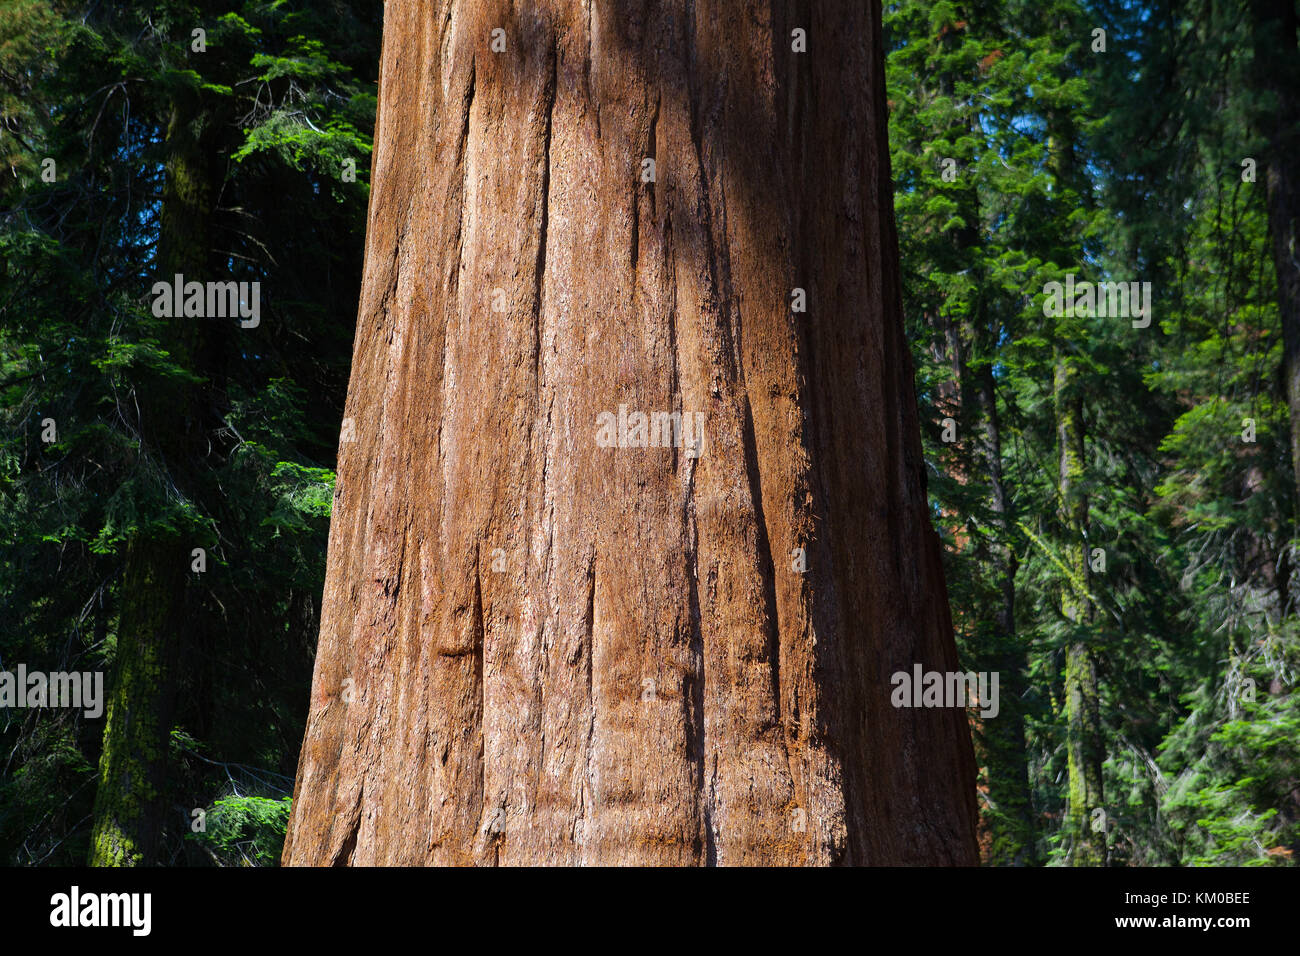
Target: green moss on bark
<point>132,766</point>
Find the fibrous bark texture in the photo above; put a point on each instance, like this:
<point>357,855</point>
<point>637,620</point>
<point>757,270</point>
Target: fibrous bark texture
<point>536,649</point>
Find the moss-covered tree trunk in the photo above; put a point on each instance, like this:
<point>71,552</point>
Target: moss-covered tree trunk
<point>131,798</point>
<point>1085,750</point>
<point>536,647</point>
<point>130,801</point>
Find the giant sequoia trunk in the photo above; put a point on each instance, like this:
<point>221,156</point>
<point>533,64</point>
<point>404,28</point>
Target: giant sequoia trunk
<point>538,649</point>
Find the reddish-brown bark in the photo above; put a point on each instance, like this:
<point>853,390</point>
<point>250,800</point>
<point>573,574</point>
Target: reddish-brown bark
<point>638,675</point>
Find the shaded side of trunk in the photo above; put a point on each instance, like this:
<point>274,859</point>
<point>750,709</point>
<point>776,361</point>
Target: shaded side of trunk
<point>536,648</point>
<point>130,800</point>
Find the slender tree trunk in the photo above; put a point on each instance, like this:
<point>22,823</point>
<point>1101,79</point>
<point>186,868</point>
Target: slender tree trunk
<point>1277,66</point>
<point>1010,835</point>
<point>1085,749</point>
<point>131,799</point>
<point>1014,833</point>
<point>537,649</point>
<point>1007,831</point>
<point>1007,834</point>
<point>1082,702</point>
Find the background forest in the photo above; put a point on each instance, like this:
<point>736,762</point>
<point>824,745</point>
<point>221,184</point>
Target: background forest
<point>1117,499</point>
